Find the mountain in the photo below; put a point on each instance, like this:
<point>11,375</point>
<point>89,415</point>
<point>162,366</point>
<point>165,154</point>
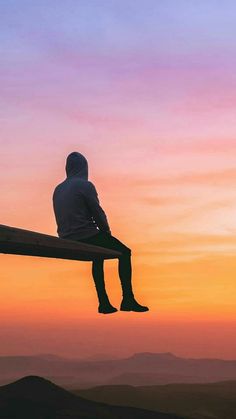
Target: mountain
<point>194,401</point>
<point>139,369</point>
<point>101,357</point>
<point>35,397</point>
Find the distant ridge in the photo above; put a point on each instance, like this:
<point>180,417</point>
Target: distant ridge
<point>145,368</point>
<point>153,355</point>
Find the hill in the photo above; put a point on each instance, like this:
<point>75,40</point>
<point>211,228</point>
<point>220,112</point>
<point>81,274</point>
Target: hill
<point>195,401</point>
<point>37,398</point>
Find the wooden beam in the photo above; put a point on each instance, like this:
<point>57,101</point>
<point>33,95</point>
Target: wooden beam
<point>24,242</point>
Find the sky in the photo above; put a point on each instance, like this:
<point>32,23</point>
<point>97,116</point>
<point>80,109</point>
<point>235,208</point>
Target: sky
<point>146,91</point>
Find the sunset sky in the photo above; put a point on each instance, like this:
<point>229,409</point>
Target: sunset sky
<point>146,90</point>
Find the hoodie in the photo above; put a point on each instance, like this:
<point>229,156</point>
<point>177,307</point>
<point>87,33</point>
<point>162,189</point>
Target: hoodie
<point>76,204</point>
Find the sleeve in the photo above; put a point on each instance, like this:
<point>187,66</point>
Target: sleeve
<point>95,208</point>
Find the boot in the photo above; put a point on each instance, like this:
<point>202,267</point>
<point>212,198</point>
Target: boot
<point>130,304</point>
<point>106,308</point>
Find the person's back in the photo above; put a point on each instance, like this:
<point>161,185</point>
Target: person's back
<point>75,202</point>
<point>71,211</point>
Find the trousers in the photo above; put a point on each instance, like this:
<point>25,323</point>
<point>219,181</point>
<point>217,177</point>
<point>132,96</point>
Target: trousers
<point>106,240</point>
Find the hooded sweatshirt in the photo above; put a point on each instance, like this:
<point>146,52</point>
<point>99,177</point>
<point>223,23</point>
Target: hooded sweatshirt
<point>75,202</point>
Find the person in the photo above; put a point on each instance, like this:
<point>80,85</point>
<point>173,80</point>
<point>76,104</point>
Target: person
<point>79,216</point>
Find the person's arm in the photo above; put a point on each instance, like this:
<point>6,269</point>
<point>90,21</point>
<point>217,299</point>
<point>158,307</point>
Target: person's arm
<point>95,208</point>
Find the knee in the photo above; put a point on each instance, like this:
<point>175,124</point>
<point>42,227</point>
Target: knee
<point>126,251</point>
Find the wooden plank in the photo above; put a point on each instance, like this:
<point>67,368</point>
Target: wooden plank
<point>25,242</point>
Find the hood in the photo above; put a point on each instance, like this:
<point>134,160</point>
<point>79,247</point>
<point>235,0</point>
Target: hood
<point>76,165</point>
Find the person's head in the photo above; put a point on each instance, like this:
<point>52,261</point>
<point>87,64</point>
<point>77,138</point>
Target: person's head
<point>76,165</point>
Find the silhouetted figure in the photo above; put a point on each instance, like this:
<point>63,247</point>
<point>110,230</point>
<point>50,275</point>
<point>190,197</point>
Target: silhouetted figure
<point>80,217</point>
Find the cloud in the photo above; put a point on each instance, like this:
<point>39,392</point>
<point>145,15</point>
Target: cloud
<point>217,178</point>
<point>212,178</point>
<point>201,146</point>
<point>188,242</point>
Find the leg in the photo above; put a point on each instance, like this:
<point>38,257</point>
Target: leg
<point>125,274</point>
<point>125,269</point>
<point>98,276</point>
<point>124,266</point>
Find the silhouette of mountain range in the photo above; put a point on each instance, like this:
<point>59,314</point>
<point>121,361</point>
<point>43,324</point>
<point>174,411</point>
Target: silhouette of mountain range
<point>36,398</point>
<point>139,369</point>
<point>194,401</point>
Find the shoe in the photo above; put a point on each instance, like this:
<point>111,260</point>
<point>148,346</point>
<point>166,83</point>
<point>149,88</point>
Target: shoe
<point>132,305</point>
<point>106,309</point>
